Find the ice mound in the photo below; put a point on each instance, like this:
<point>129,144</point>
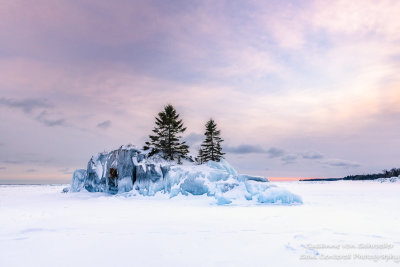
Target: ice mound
<point>129,169</point>
<point>390,180</point>
<point>78,180</point>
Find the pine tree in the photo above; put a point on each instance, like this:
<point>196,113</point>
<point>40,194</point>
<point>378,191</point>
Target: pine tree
<point>200,156</point>
<point>211,146</point>
<point>166,138</point>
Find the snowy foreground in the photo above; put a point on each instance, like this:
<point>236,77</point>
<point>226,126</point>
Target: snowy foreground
<point>39,226</point>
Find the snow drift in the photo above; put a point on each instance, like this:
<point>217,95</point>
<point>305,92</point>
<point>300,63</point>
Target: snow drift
<point>129,169</point>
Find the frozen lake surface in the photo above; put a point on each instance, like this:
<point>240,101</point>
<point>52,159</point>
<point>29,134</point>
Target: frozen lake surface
<point>39,226</point>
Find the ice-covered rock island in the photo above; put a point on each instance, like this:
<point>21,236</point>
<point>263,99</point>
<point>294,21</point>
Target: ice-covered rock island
<point>129,169</point>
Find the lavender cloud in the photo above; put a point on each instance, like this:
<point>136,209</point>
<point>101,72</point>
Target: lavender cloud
<point>312,155</point>
<point>245,149</point>
<point>272,152</point>
<point>104,125</point>
<point>289,159</point>
<point>26,105</point>
<point>341,163</point>
<point>194,138</point>
<point>43,118</point>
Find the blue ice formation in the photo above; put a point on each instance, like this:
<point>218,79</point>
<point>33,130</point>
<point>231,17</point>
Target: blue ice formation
<point>129,169</point>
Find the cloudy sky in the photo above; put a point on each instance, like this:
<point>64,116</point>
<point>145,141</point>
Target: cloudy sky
<point>298,88</point>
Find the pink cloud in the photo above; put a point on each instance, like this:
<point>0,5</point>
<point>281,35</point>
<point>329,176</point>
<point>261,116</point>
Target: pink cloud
<point>359,18</point>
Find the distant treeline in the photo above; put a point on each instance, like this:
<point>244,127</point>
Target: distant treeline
<point>395,172</point>
<point>384,174</point>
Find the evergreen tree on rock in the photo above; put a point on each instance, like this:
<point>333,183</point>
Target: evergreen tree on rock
<point>166,138</point>
<point>211,147</point>
<point>200,156</point>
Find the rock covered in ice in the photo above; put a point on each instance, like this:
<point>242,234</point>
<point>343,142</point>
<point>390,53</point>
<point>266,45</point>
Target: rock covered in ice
<point>78,180</point>
<point>129,169</point>
<point>65,190</point>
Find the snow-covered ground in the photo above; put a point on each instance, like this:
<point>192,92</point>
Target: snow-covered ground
<point>39,226</point>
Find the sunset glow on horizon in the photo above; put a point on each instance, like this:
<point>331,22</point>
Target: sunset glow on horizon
<point>288,179</point>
